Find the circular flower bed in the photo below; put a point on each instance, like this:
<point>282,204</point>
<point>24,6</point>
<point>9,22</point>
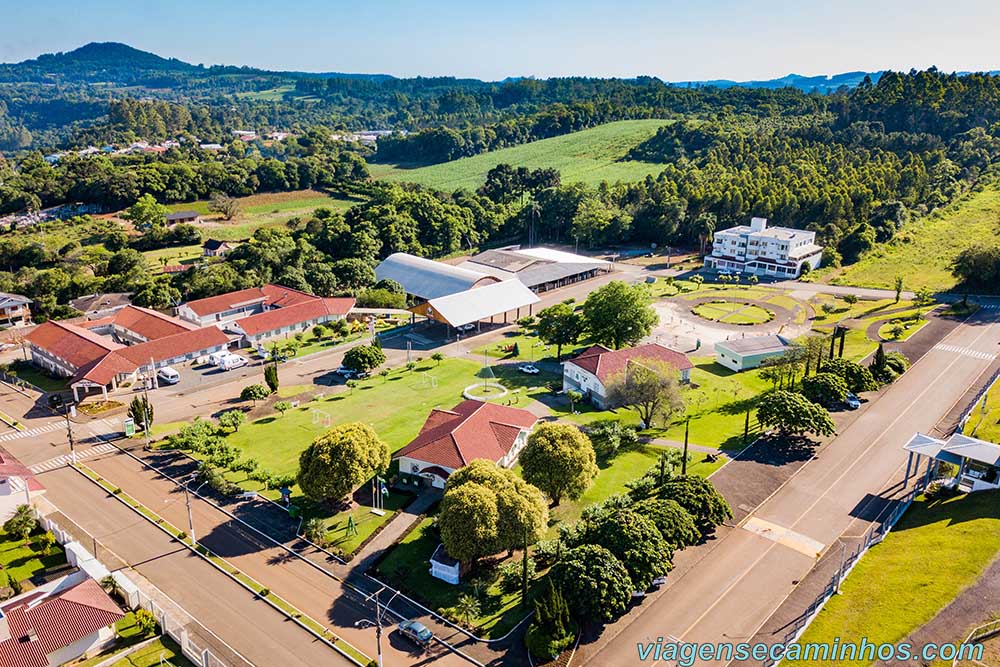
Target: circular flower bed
<point>731,312</point>
<point>484,391</point>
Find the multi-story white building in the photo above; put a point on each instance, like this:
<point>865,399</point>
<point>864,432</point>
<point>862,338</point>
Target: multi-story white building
<point>763,250</point>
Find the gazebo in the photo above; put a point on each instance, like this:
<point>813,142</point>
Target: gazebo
<point>977,461</point>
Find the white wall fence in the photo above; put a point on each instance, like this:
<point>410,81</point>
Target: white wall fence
<point>171,623</point>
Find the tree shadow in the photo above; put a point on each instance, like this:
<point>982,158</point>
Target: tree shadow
<point>778,451</point>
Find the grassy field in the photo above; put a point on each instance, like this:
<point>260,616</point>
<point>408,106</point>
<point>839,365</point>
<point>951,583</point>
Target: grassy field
<point>732,313</point>
<point>924,249</point>
<point>937,549</point>
<point>262,210</point>
<point>589,156</point>
<point>21,562</point>
<point>985,420</point>
<point>395,406</point>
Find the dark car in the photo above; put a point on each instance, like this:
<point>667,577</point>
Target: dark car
<point>416,631</point>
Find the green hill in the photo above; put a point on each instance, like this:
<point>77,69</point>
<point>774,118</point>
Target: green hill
<point>589,156</point>
<point>923,250</point>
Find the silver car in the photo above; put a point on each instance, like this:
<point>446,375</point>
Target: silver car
<point>416,631</point>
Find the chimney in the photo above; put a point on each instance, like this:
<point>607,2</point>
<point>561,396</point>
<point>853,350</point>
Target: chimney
<point>758,224</point>
<point>4,627</point>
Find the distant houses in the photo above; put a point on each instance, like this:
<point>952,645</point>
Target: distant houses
<point>182,216</point>
<point>216,248</point>
<point>95,306</point>
<point>15,310</point>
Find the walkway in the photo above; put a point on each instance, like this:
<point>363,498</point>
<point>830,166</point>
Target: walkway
<point>400,524</point>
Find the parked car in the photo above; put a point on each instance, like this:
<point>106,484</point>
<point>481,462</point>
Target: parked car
<point>231,361</point>
<point>466,327</point>
<point>852,401</point>
<point>168,375</point>
<point>345,372</point>
<point>530,369</point>
<point>216,357</point>
<point>659,581</point>
<point>416,631</point>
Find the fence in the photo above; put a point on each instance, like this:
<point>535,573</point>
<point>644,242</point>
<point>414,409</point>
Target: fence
<point>136,598</point>
<point>874,535</point>
<point>981,395</point>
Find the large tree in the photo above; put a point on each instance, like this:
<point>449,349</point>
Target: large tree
<point>857,377</point>
<point>522,515</point>
<point>793,414</point>
<point>619,314</point>
<point>560,325</point>
<point>559,459</point>
<point>594,582</point>
<point>364,358</point>
<point>633,539</point>
<point>649,386</point>
<point>824,388</point>
<point>340,460</point>
<point>673,521</point>
<point>146,214</point>
<point>469,522</point>
<point>699,498</point>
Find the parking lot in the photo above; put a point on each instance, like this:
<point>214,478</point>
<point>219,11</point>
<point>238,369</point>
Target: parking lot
<point>194,376</point>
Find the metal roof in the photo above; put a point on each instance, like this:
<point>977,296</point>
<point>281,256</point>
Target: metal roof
<point>958,445</point>
<point>483,302</point>
<point>426,278</point>
<point>754,345</point>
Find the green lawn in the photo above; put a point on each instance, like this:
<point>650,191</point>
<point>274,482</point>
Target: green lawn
<point>924,249</point>
<point>910,327</point>
<point>365,522</point>
<point>29,373</point>
<point>395,406</point>
<point>589,156</point>
<point>262,210</point>
<point>408,565</point>
<point>21,562</point>
<point>614,473</point>
<point>984,423</point>
<point>732,313</point>
<point>187,254</point>
<point>163,652</point>
<point>938,549</point>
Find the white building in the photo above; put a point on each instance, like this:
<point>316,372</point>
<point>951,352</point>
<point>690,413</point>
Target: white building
<point>590,371</point>
<point>764,251</point>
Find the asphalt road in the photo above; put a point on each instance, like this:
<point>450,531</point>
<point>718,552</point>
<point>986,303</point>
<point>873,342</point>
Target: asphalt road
<point>261,634</point>
<point>735,588</point>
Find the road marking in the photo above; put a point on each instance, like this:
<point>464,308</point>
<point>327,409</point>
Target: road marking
<point>968,352</point>
<point>38,430</point>
<point>784,536</point>
<point>82,455</point>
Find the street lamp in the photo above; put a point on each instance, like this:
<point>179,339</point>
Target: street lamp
<point>378,618</point>
<point>187,501</point>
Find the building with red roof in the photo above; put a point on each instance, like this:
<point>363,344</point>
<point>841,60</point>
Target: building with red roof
<point>232,306</point>
<point>42,628</point>
<point>450,439</point>
<point>280,321</point>
<point>590,371</point>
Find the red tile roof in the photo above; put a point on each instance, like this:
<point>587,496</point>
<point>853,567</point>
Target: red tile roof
<point>40,628</point>
<point>271,320</point>
<point>470,430</point>
<point>604,363</point>
<point>128,359</point>
<point>150,324</point>
<point>11,467</point>
<point>75,345</point>
<point>272,295</point>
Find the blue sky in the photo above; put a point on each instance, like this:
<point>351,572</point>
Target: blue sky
<point>675,40</point>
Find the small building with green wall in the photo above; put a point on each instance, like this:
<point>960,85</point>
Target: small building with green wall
<point>745,353</point>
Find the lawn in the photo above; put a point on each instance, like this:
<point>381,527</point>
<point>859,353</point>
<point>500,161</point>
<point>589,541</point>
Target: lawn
<point>407,565</point>
<point>395,406</point>
<point>366,522</point>
<point>613,475</point>
<point>984,423</point>
<point>910,327</point>
<point>938,549</point>
<point>923,250</point>
<point>262,210</point>
<point>187,254</point>
<point>29,373</point>
<point>589,156</point>
<point>22,562</point>
<point>732,313</point>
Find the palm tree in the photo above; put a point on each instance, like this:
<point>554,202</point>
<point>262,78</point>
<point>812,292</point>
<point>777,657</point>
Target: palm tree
<point>468,607</point>
<point>704,227</point>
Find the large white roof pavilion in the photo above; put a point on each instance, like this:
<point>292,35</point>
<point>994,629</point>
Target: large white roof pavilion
<point>427,279</point>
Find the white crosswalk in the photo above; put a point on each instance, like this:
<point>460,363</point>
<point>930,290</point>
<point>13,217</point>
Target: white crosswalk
<point>81,455</point>
<point>968,352</point>
<point>38,430</point>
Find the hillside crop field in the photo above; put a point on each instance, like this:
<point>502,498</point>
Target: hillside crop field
<point>923,250</point>
<point>589,156</point>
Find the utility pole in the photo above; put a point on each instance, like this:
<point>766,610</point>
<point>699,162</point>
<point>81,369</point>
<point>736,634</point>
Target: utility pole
<point>684,460</point>
<point>378,618</point>
<point>69,435</point>
<point>147,408</point>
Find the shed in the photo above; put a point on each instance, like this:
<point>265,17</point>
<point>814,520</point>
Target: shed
<point>746,353</point>
<point>444,567</point>
<point>182,216</point>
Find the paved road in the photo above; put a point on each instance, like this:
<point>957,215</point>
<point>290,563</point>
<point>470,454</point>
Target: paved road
<point>257,631</point>
<point>747,573</point>
<point>314,592</point>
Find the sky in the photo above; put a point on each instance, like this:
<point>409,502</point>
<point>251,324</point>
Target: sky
<point>674,40</point>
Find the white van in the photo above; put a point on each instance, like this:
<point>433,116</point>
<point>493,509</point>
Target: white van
<point>216,357</point>
<point>231,361</point>
<point>168,375</point>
